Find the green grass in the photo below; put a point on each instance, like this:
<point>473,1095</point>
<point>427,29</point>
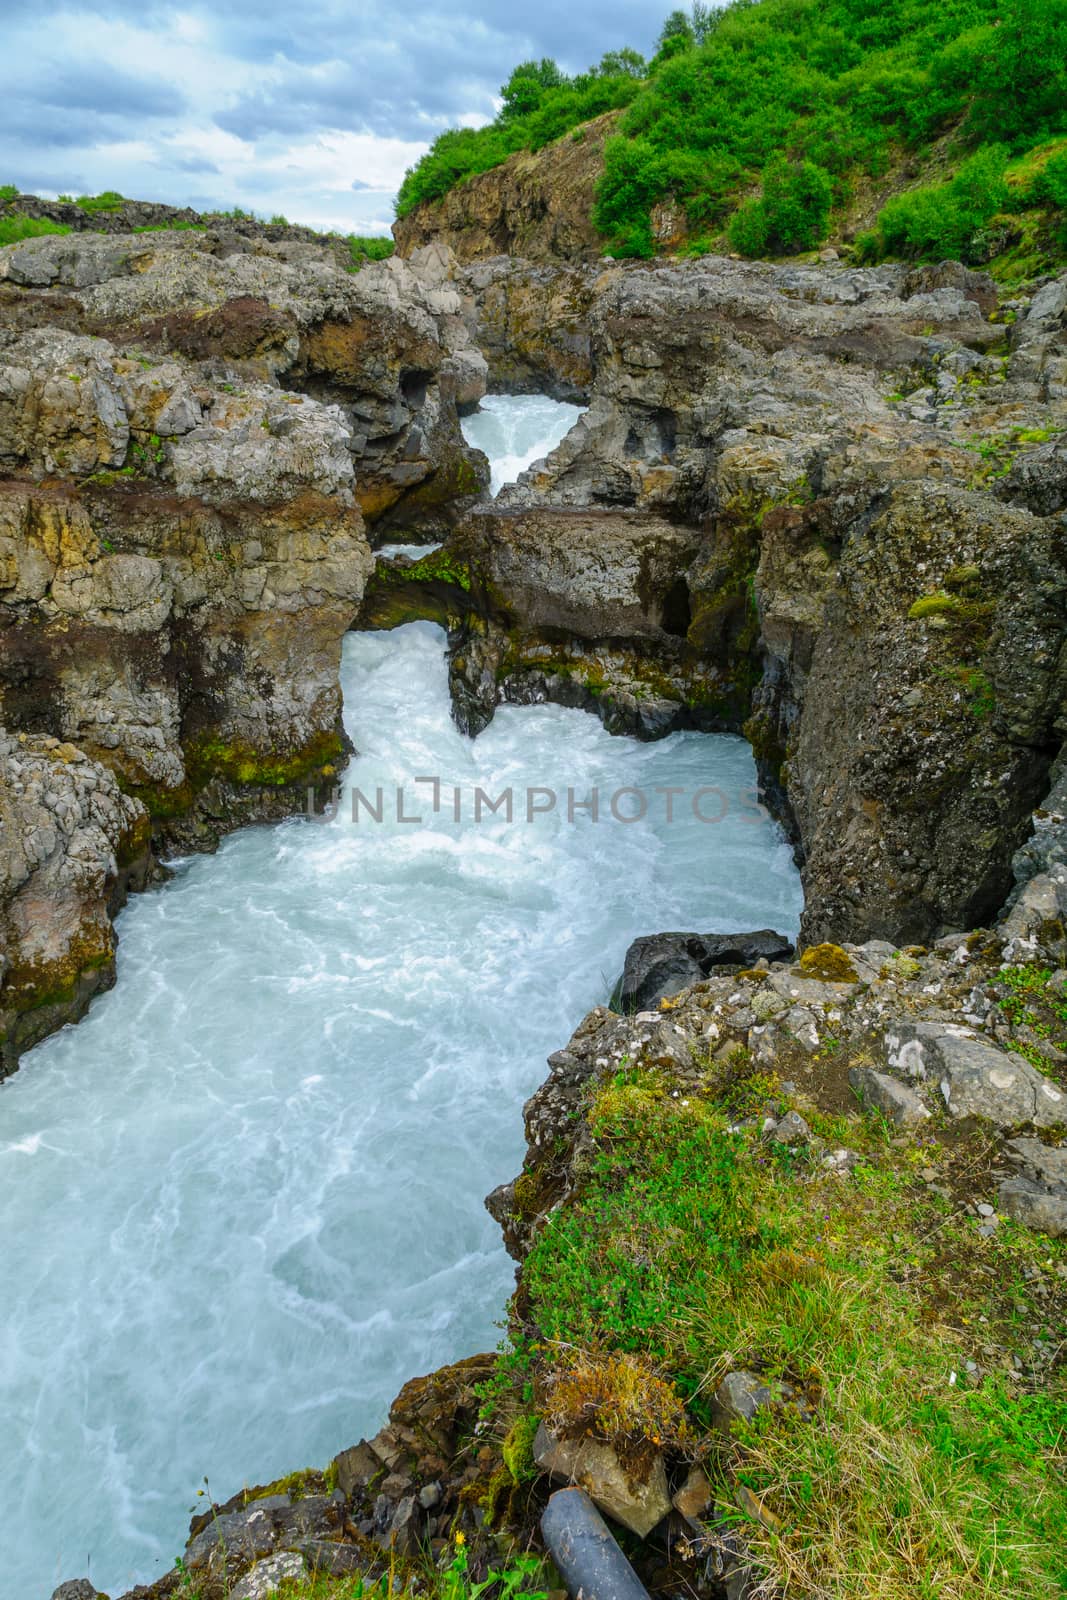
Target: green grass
<point>701,1249</point>
<point>14,229</point>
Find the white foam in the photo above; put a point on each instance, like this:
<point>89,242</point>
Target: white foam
<point>515,430</point>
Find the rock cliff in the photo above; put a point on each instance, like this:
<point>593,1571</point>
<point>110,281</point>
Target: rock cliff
<point>200,433</point>
<point>538,204</point>
<point>71,844</point>
<point>857,482</point>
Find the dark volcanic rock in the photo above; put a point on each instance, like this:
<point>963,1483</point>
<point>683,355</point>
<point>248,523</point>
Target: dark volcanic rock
<point>661,964</point>
<point>795,447</point>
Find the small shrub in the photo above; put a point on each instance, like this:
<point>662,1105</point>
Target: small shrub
<point>618,1400</point>
<point>109,200</point>
<point>369,247</point>
<point>942,220</point>
<point>792,213</point>
<point>8,191</point>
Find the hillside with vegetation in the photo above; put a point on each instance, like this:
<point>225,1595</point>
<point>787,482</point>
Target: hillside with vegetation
<point>772,126</point>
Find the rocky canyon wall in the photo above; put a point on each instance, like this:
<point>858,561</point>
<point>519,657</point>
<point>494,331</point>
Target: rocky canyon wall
<point>820,505</point>
<point>201,434</point>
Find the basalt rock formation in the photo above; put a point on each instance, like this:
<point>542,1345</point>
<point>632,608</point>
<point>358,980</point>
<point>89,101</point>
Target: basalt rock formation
<point>819,505</point>
<point>200,433</point>
<point>538,204</point>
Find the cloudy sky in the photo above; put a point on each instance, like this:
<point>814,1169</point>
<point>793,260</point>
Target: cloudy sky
<point>313,109</point>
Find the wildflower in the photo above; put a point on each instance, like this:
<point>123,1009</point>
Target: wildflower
<point>461,1539</point>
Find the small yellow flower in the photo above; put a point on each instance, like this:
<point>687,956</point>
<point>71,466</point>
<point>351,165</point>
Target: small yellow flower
<point>461,1539</point>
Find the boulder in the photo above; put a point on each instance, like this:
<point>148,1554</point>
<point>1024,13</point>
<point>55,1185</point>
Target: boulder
<point>739,1397</point>
<point>791,1129</point>
<point>406,1528</point>
<point>639,1503</point>
<point>694,1499</point>
<point>879,1092</point>
<point>356,1467</point>
<point>661,964</point>
<point>1047,1163</point>
<point>265,1579</point>
<point>976,1078</point>
<point>1036,1205</point>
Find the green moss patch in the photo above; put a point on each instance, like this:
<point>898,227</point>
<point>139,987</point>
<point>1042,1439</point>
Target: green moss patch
<point>240,762</point>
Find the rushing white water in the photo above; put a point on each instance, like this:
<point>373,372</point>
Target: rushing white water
<point>414,551</point>
<point>514,431</point>
<point>241,1202</point>
<point>517,430</point>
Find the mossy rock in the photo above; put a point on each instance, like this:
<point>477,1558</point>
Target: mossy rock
<point>828,963</point>
<point>933,605</point>
<point>517,1448</point>
<point>240,762</point>
<point>31,985</point>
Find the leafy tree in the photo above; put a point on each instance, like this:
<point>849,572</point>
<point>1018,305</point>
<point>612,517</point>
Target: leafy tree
<point>703,22</point>
<point>1021,83</point>
<point>676,37</point>
<point>622,63</point>
<point>677,26</point>
<point>526,88</point>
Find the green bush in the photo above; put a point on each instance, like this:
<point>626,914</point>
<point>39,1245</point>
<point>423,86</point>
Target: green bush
<point>943,219</point>
<point>748,229</point>
<point>369,247</point>
<point>1050,186</point>
<point>791,214</point>
<point>8,191</point>
<point>110,200</point>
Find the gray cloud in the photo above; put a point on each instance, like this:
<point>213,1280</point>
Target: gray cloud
<point>193,164</point>
<point>277,78</point>
<point>72,109</point>
<point>408,75</point>
<point>102,89</point>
